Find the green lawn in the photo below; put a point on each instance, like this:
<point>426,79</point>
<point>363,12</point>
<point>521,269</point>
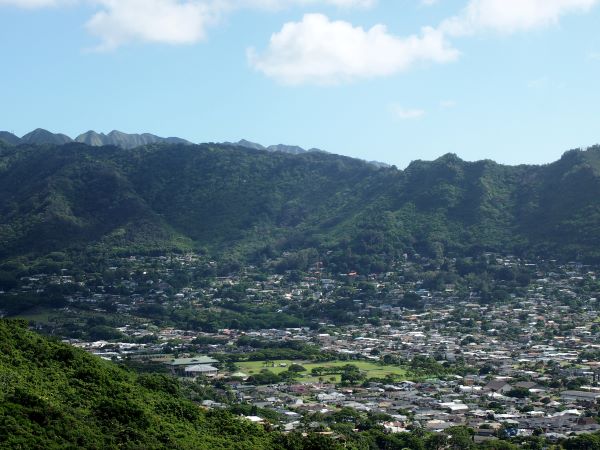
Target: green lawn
<point>372,369</point>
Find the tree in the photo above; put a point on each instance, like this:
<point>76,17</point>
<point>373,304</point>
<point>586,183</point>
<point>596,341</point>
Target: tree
<point>518,392</point>
<point>584,442</point>
<point>411,300</point>
<point>352,375</point>
<point>296,368</point>
<point>104,332</point>
<point>461,438</point>
<point>436,441</point>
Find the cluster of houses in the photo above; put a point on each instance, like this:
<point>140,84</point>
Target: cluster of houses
<point>531,360</point>
<point>433,405</point>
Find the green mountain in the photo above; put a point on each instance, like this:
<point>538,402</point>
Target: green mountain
<point>55,396</point>
<point>41,136</point>
<point>9,138</point>
<point>227,200</point>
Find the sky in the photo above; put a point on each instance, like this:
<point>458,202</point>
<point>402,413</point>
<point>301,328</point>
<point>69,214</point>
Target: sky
<point>516,81</point>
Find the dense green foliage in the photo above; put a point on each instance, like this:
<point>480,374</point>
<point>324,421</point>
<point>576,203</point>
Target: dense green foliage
<point>55,396</point>
<point>234,202</point>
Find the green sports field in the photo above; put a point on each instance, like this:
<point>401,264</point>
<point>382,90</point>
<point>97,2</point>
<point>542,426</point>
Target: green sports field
<point>372,369</point>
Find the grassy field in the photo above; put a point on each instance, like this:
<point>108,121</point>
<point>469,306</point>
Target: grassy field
<point>372,369</point>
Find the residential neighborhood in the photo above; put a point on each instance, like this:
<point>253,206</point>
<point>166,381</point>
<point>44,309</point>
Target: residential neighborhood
<point>412,350</point>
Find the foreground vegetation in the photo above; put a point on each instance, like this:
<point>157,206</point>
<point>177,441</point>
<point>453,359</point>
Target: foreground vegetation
<point>55,396</point>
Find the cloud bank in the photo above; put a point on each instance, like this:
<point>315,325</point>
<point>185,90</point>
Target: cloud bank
<point>318,50</point>
<point>158,21</point>
<point>511,16</point>
<point>32,4</point>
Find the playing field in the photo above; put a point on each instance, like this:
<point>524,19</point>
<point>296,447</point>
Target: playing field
<point>372,369</point>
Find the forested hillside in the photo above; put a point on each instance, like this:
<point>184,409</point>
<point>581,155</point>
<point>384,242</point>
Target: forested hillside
<point>253,204</point>
<point>55,396</point>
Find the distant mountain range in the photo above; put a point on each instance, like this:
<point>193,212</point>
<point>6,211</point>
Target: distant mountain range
<point>124,140</point>
<point>92,138</point>
<point>130,140</point>
<point>292,149</point>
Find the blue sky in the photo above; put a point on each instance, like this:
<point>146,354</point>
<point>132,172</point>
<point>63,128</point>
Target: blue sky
<point>516,81</point>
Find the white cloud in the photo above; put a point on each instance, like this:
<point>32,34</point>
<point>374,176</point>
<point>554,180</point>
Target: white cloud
<point>320,51</point>
<point>280,4</point>
<point>510,16</point>
<point>402,113</point>
<point>352,3</point>
<point>178,21</point>
<point>120,22</point>
<point>314,50</point>
<point>217,4</point>
<point>31,4</point>
<point>164,21</point>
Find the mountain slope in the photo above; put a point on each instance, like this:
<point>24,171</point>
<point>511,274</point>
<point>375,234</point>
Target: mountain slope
<point>56,396</point>
<point>41,136</point>
<point>292,149</point>
<point>92,138</point>
<point>9,138</point>
<point>227,200</point>
<point>124,140</point>
<point>72,198</point>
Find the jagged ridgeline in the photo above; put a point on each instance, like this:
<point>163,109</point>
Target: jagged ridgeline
<point>255,204</point>
<point>55,396</point>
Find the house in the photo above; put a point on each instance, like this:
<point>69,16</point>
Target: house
<point>527,385</point>
<point>454,407</point>
<point>500,386</point>
<point>331,397</point>
<point>255,419</point>
<point>179,365</point>
<point>580,396</point>
<point>200,370</point>
<point>241,375</point>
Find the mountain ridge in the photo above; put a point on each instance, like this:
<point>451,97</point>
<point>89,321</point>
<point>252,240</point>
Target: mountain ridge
<point>117,138</point>
<point>125,140</point>
<point>292,149</point>
<point>254,205</point>
<point>9,138</point>
<point>41,136</point>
